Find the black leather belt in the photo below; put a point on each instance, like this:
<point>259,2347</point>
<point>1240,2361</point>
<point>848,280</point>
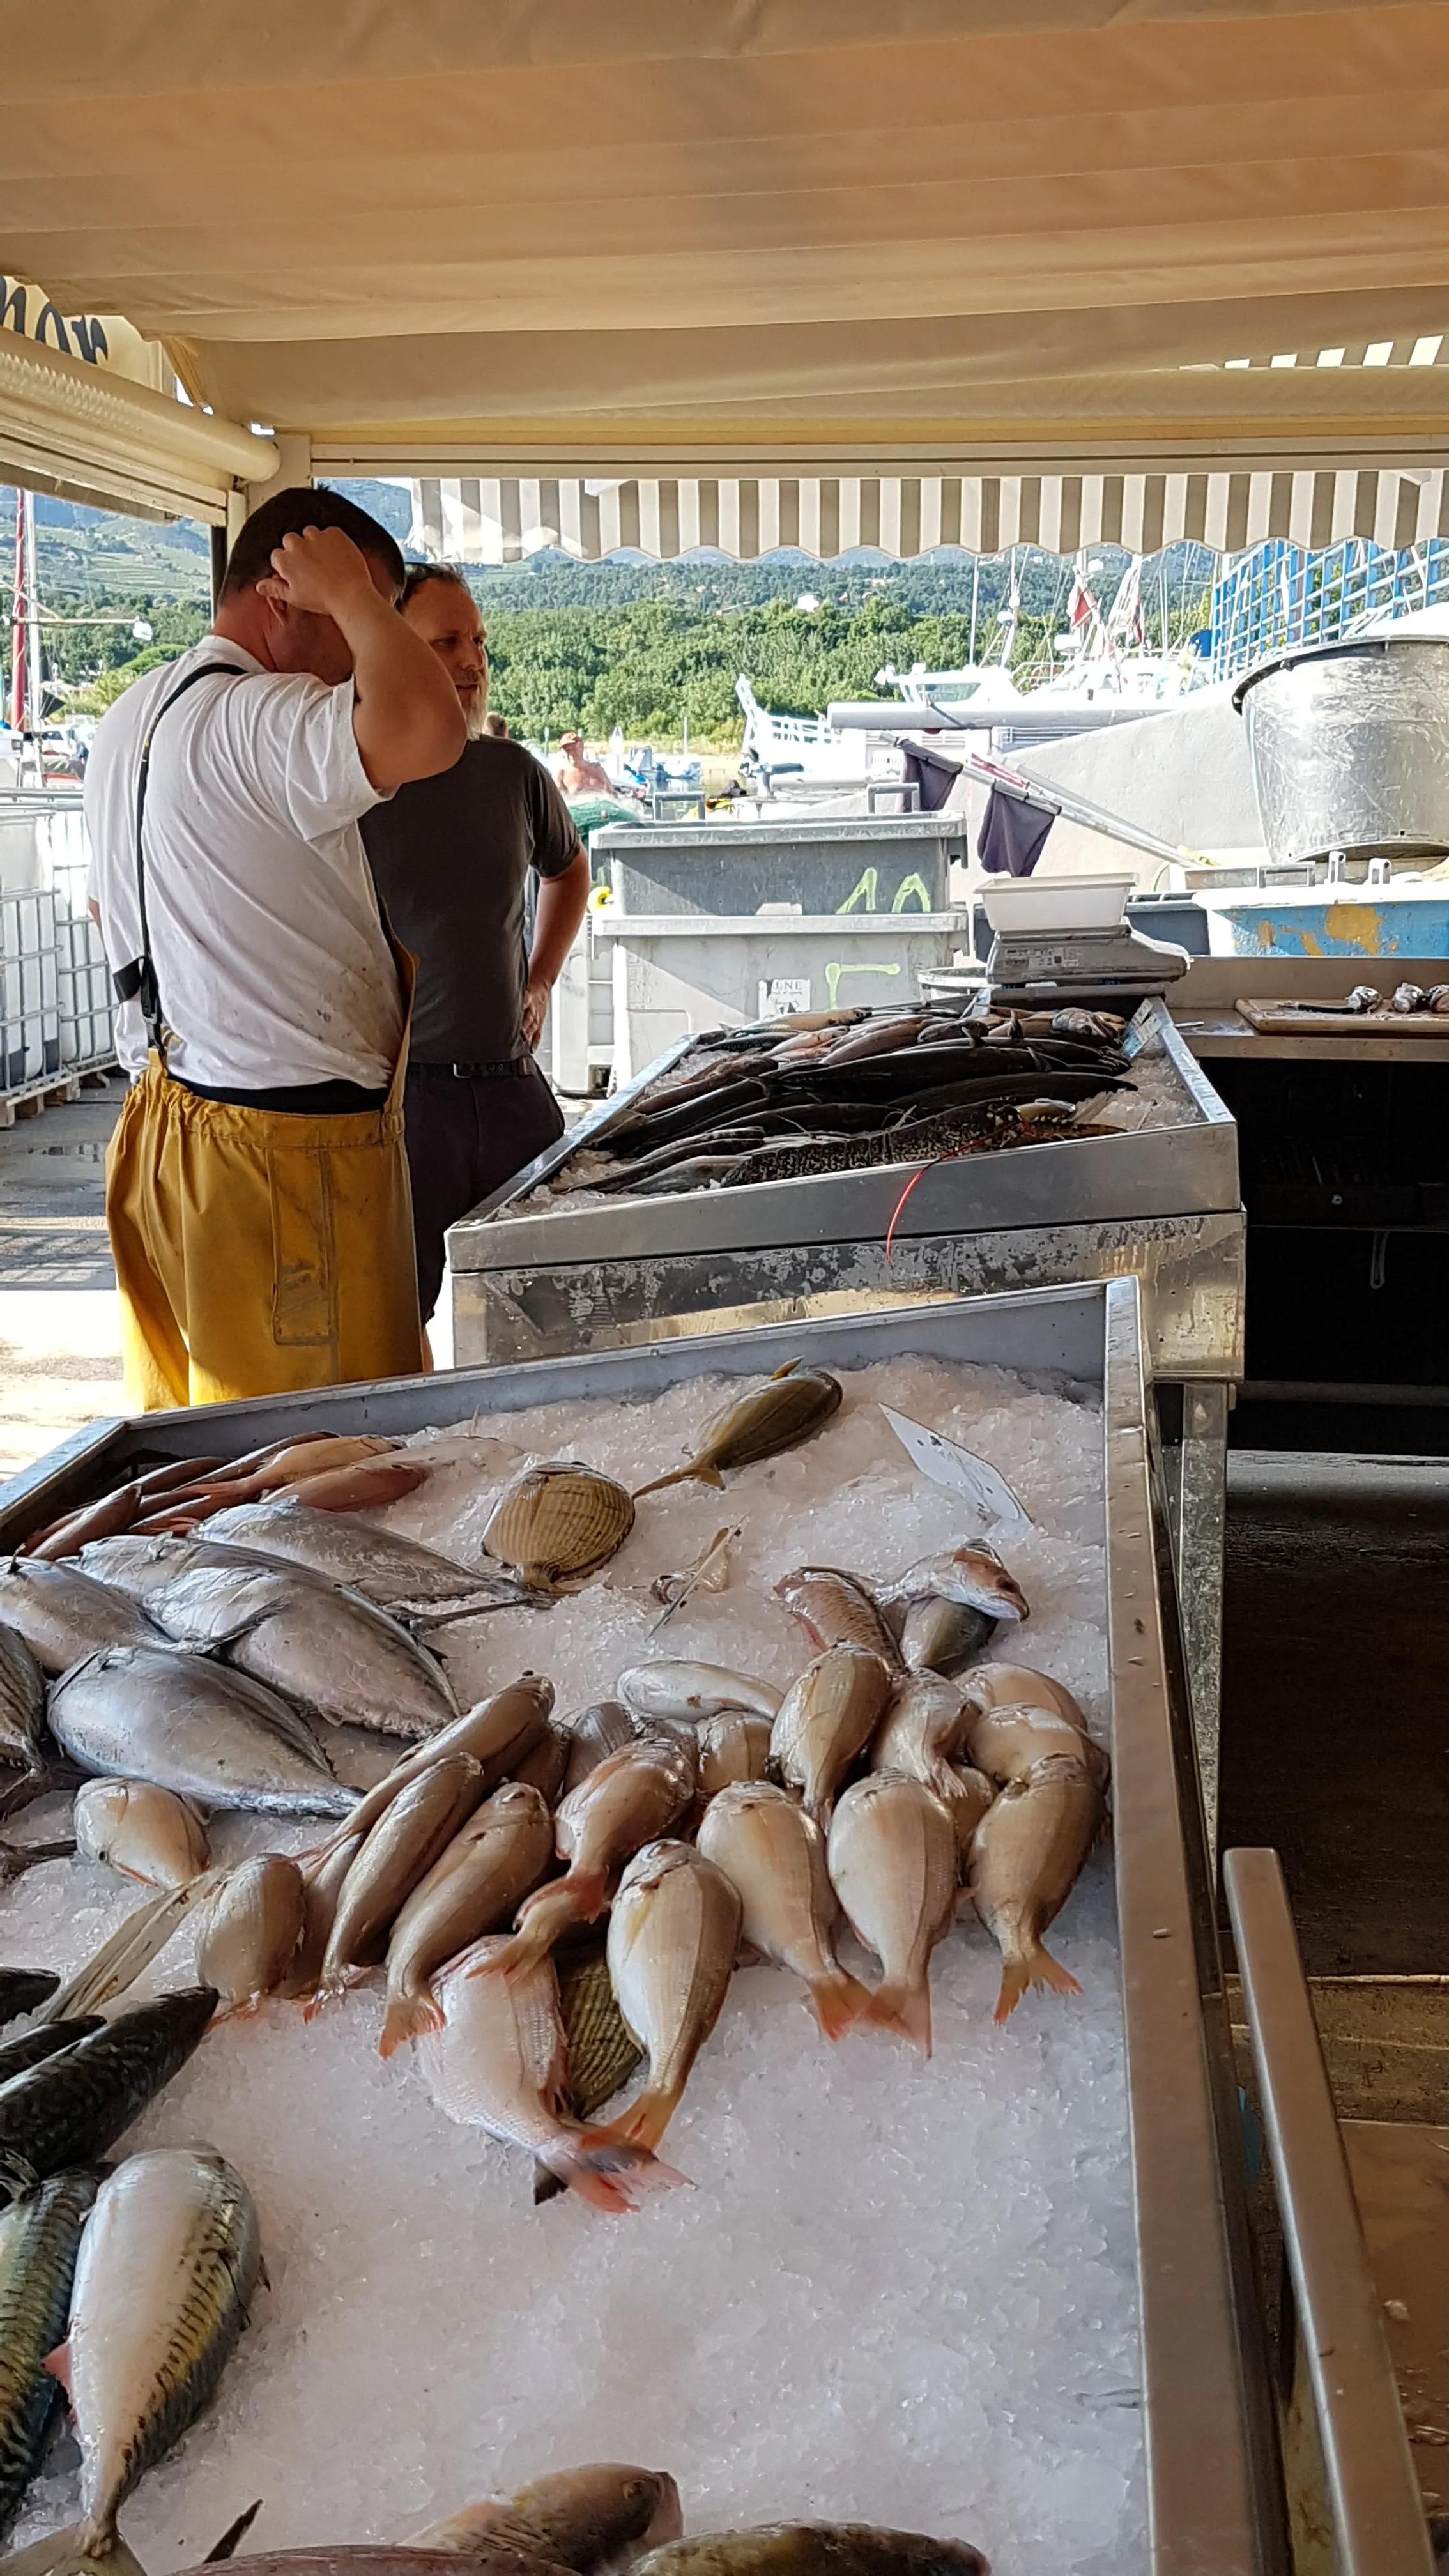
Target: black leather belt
<point>512,1068</point>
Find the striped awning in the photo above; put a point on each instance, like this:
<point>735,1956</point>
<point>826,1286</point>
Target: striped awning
<point>477,520</point>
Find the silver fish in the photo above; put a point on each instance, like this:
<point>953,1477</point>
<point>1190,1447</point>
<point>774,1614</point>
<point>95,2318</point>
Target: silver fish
<point>499,1733</point>
<point>251,1930</point>
<point>140,1830</point>
<point>154,1713</point>
<point>674,1930</point>
<point>22,1703</point>
<point>500,2063</point>
<point>476,1885</point>
<point>949,1607</point>
<point>330,1650</point>
<point>597,1732</point>
<point>826,1720</point>
<point>167,2267</point>
<point>775,1855</point>
<point>686,1691</point>
<point>1028,1852</point>
<point>384,1567</point>
<point>732,1746</point>
<point>64,1614</point>
<point>837,1609</point>
<point>924,1727</point>
<point>400,1850</point>
<point>893,1865</point>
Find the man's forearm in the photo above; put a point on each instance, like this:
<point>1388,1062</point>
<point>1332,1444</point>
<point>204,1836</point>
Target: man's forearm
<point>562,903</point>
<point>408,721</point>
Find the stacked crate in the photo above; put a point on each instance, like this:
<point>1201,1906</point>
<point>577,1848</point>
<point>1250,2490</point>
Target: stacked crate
<point>30,1049</point>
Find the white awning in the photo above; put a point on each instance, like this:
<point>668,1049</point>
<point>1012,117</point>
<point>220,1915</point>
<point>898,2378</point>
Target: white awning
<point>74,429</point>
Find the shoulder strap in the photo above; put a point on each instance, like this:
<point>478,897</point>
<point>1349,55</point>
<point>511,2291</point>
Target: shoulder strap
<point>136,982</point>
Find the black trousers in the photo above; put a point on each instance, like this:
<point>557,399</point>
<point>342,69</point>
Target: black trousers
<point>467,1134</point>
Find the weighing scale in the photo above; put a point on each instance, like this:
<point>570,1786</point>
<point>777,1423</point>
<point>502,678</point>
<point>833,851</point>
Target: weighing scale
<point>1106,969</point>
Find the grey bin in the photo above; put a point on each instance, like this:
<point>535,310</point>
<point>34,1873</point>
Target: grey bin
<point>879,863</point>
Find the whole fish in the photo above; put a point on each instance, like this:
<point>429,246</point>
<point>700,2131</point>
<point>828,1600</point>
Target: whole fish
<point>893,1864</point>
<point>596,1732</point>
<point>559,1521</point>
<point>775,1855</point>
<point>155,1713</point>
<point>498,2063</point>
<point>1028,1853</point>
<point>630,1800</point>
<point>995,1685</point>
<point>144,1832</point>
<point>777,1415</point>
<point>1007,1742</point>
<point>732,1746</point>
<point>251,1929</point>
<point>22,1703</point>
<point>674,1930</point>
<point>475,1885</point>
<point>599,2516</point>
<point>64,1614</point>
<point>163,2286</point>
<point>21,1989</point>
<point>498,1733</point>
<point>328,1649</point>
<point>47,2039</point>
<point>924,1726</point>
<point>815,2549</point>
<point>399,1852</point>
<point>545,1766</point>
<point>950,1607</point>
<point>683,1692</point>
<point>346,2558</point>
<point>883,1037</point>
<point>324,1875</point>
<point>837,1609</point>
<point>71,2107</point>
<point>378,1563</point>
<point>825,1721</point>
<point>39,2241</point>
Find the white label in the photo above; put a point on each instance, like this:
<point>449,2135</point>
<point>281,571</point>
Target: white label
<point>991,1505</point>
<point>780,994</point>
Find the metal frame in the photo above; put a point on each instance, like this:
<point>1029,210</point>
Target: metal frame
<point>1213,2504</point>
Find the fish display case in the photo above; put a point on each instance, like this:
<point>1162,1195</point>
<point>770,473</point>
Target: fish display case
<point>1160,1199</point>
<point>1198,2419</point>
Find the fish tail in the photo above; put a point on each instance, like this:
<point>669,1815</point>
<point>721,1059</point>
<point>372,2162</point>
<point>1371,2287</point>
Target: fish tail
<point>82,2549</point>
<point>543,1920</point>
<point>839,1999</point>
<point>645,2121</point>
<point>1034,1967</point>
<point>903,2004</point>
<point>679,1476</point>
<point>608,2172</point>
<point>406,2019</point>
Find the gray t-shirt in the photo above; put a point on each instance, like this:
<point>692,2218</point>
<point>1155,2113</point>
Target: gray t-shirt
<point>451,858</point>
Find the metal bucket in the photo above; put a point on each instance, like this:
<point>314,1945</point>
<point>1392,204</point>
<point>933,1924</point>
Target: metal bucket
<point>1349,745</point>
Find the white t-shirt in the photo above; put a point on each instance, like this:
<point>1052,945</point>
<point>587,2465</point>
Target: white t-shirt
<point>268,945</point>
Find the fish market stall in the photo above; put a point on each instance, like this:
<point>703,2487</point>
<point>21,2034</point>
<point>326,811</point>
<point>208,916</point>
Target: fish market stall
<point>551,1267</point>
<point>1003,2295</point>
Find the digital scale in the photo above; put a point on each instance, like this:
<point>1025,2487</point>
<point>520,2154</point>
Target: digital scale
<point>1113,969</point>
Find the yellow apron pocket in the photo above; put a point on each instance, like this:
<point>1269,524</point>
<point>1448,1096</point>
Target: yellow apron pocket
<point>304,1276</point>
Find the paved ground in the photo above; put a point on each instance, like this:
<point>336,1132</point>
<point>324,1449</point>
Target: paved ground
<point>59,1366</point>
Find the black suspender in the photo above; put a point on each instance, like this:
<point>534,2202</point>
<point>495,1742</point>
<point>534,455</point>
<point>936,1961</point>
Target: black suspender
<point>137,982</point>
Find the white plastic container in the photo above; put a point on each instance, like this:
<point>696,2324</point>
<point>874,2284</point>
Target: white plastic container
<point>1034,906</point>
<point>29,998</point>
<point>86,999</point>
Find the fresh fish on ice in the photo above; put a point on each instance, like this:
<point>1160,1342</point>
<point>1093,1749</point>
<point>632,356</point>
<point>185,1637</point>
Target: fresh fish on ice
<point>924,1728</point>
<point>604,1728</point>
<point>47,2039</point>
<point>732,1746</point>
<point>325,1647</point>
<point>476,1885</point>
<point>684,1692</point>
<point>22,1703</point>
<point>186,1723</point>
<point>22,1989</point>
<point>39,2241</point>
<point>893,1864</point>
<point>557,1522</point>
<point>631,1799</point>
<point>674,1930</point>
<point>384,1567</point>
<point>324,1875</point>
<point>837,1609</point>
<point>347,2558</point>
<point>71,2107</point>
<point>163,2286</point>
<point>1007,1743</point>
<point>776,1415</point>
<point>498,2063</point>
<point>600,2516</point>
<point>775,1855</point>
<point>826,1720</point>
<point>815,2549</point>
<point>994,1685</point>
<point>950,1607</point>
<point>408,1837</point>
<point>1026,1859</point>
<point>498,1733</point>
<point>545,1766</point>
<point>250,1930</point>
<point>144,1832</point>
<point>64,1614</point>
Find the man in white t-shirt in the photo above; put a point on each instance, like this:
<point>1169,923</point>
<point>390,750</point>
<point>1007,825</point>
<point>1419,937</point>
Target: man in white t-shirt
<point>256,1186</point>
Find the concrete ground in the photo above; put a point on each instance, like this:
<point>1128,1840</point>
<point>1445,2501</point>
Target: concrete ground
<point>59,1352</point>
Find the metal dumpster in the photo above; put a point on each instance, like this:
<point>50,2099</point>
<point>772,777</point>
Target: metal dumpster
<point>1208,2448</point>
<point>878,863</point>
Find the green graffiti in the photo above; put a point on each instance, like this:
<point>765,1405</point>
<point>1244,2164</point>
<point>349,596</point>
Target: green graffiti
<point>909,886</point>
<point>866,895</point>
<point>833,975</point>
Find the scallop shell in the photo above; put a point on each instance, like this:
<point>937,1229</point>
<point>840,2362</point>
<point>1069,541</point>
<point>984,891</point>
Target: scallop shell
<point>559,1520</point>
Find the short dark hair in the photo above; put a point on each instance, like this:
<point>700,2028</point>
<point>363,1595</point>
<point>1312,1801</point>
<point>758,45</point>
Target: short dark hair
<point>286,515</point>
<point>416,577</point>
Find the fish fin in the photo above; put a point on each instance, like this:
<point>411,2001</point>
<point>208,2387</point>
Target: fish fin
<point>407,2018</point>
<point>546,2186</point>
<point>58,2364</point>
<point>838,1999</point>
<point>265,2278</point>
<point>788,1370</point>
<point>18,2176</point>
<point>901,2006</point>
<point>645,2121</point>
<point>679,1476</point>
<point>607,2172</point>
<point>233,2535</point>
<point>1037,1968</point>
<point>543,1919</point>
<point>76,2551</point>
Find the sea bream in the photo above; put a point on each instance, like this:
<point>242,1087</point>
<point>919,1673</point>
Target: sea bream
<point>188,1724</point>
<point>144,1832</point>
<point>325,1647</point>
<point>683,1693</point>
<point>837,1609</point>
<point>825,1721</point>
<point>774,1854</point>
<point>947,1608</point>
<point>674,1930</point>
<point>815,2549</point>
<point>476,1885</point>
<point>1028,1853</point>
<point>602,2515</point>
<point>924,1728</point>
<point>250,1930</point>
<point>893,1864</point>
<point>398,1853</point>
<point>631,1799</point>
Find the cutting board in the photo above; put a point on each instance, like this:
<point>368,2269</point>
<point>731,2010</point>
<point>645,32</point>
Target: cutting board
<point>1282,1020</point>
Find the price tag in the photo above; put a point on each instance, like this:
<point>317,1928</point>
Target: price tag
<point>993,1510</point>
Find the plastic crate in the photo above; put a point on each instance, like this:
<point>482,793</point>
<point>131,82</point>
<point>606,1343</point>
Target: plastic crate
<point>87,1005</point>
<point>29,989</point>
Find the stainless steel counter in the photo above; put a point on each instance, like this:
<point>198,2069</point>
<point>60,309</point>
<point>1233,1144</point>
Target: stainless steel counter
<point>1204,1008</point>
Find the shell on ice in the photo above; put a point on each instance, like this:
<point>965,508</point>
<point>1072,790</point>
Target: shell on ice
<point>557,1520</point>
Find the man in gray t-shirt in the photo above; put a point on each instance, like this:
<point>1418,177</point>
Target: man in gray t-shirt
<point>452,859</point>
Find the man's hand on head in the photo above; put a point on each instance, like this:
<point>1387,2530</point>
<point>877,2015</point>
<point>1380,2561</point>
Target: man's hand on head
<point>321,572</point>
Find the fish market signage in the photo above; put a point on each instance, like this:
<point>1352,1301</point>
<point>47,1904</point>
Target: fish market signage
<point>98,340</point>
